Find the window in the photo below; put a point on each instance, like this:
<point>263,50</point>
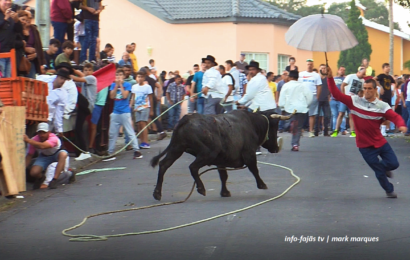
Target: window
<point>262,58</point>
<point>283,61</point>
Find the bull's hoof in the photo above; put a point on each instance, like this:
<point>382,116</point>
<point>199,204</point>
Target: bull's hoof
<point>225,194</point>
<point>201,191</point>
<point>262,186</point>
<point>157,195</point>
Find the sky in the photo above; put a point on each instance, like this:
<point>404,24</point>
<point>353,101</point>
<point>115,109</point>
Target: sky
<point>400,14</point>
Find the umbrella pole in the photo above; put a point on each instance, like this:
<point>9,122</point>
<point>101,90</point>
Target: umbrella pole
<point>326,60</point>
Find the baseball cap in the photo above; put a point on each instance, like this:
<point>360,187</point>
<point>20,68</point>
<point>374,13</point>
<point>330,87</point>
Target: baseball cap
<point>309,60</point>
<point>42,127</point>
<point>243,54</point>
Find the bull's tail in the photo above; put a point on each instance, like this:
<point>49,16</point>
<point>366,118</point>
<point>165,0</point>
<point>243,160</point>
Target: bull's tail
<point>154,161</point>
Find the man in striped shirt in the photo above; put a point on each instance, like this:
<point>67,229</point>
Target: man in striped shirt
<point>368,113</point>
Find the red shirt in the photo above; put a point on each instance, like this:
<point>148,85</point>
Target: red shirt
<point>367,117</point>
<point>61,11</point>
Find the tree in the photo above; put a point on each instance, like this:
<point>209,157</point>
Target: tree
<point>404,3</point>
<point>298,7</point>
<point>352,58</point>
<point>375,11</point>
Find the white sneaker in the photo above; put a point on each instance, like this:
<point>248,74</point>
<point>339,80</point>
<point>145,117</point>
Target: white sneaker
<point>258,153</point>
<point>83,156</point>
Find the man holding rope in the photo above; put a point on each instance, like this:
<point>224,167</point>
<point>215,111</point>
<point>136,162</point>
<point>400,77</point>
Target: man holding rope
<point>368,113</point>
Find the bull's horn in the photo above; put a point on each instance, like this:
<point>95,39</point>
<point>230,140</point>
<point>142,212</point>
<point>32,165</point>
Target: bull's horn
<point>283,117</point>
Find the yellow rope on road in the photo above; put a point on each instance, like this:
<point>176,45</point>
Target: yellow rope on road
<point>89,237</point>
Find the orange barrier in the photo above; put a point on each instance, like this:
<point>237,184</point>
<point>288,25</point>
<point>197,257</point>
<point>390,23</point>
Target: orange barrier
<point>20,91</point>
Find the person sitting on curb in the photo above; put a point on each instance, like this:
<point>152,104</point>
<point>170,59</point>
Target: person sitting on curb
<point>48,145</point>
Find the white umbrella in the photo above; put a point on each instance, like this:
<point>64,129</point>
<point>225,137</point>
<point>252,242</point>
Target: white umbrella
<point>320,32</point>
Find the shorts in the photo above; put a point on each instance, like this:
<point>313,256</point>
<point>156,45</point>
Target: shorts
<point>314,106</point>
<point>142,115</point>
<point>44,161</point>
<point>95,116</point>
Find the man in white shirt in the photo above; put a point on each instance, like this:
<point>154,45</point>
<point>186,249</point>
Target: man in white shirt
<point>231,68</point>
<point>57,100</point>
<point>257,90</point>
<point>352,85</point>
<point>314,82</point>
<point>212,87</point>
<point>297,96</point>
<point>258,94</point>
<point>229,82</point>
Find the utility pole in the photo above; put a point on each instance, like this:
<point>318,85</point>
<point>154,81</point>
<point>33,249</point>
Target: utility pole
<point>43,20</point>
<point>391,25</point>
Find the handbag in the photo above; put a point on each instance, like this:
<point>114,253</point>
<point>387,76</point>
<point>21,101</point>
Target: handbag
<point>25,65</point>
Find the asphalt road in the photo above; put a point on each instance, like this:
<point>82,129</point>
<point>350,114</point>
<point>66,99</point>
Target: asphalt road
<point>338,197</point>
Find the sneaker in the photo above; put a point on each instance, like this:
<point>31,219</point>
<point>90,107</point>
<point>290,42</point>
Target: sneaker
<point>295,148</point>
<point>311,134</point>
<point>389,174</point>
<point>353,134</point>
<point>53,184</point>
<point>258,151</point>
<point>92,151</point>
<point>83,156</point>
<point>137,155</point>
<point>335,133</point>
<point>129,148</point>
<point>110,158</point>
<point>145,146</point>
<point>161,136</point>
<point>280,143</point>
<point>280,130</point>
<point>391,195</point>
<point>344,132</point>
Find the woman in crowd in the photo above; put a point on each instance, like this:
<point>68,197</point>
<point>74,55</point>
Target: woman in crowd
<point>33,47</point>
<point>292,66</point>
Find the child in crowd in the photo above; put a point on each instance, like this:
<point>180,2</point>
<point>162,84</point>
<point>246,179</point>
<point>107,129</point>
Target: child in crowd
<point>121,115</point>
<point>68,48</point>
<point>141,102</point>
<point>175,93</point>
<point>50,56</point>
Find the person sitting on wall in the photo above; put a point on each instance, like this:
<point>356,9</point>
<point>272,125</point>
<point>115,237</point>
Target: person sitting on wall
<point>48,146</point>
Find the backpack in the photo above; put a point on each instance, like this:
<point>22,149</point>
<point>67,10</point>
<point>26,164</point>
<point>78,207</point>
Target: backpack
<point>233,80</point>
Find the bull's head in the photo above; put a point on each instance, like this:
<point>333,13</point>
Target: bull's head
<point>271,143</point>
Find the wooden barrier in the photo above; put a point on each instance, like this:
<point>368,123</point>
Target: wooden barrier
<point>12,150</point>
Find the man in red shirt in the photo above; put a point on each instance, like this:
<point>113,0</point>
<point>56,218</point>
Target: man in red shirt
<point>61,15</point>
<point>368,114</point>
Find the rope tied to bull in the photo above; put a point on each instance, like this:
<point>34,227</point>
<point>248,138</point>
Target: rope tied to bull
<point>90,237</point>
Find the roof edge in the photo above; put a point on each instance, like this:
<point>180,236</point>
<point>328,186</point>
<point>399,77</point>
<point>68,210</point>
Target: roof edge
<point>384,28</point>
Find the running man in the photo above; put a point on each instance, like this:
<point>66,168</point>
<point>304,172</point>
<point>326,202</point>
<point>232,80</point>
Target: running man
<point>368,113</point>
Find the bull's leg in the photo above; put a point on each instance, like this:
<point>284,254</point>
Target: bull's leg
<point>224,177</point>
<point>164,164</point>
<point>253,167</point>
<point>194,168</point>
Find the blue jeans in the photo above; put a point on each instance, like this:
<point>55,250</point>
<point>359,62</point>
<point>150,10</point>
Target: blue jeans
<point>174,114</point>
<point>59,32</point>
<point>90,42</point>
<point>335,107</point>
<point>116,121</point>
<point>200,104</point>
<point>5,67</point>
<point>32,73</point>
<point>81,40</point>
<point>408,116</point>
<point>44,161</point>
<point>388,162</point>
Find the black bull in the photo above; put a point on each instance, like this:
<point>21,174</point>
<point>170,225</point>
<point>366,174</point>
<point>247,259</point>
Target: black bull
<point>226,140</point>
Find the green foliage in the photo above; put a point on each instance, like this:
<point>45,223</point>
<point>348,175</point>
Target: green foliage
<point>352,58</point>
<point>404,3</point>
<point>375,11</point>
<point>298,7</point>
